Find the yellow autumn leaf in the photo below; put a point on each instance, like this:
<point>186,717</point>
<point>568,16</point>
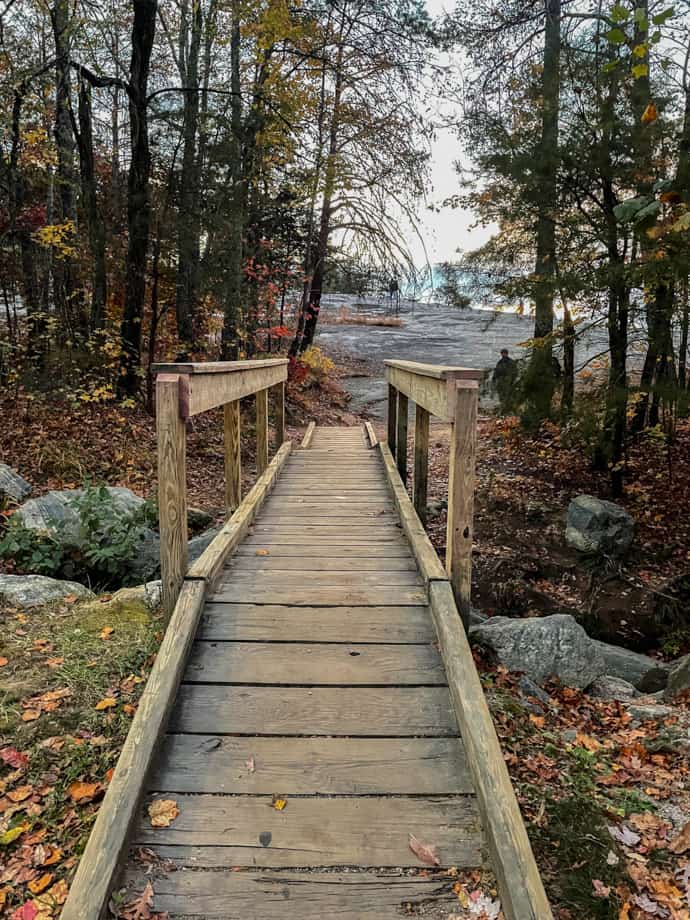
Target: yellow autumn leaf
<point>106,703</point>
<point>107,632</point>
<point>40,884</point>
<point>11,835</point>
<point>279,804</point>
<point>649,115</point>
<point>163,812</point>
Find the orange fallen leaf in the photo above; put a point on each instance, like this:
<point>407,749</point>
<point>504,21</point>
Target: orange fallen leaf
<point>20,794</point>
<point>53,855</point>
<point>54,662</point>
<point>586,741</point>
<point>424,851</point>
<point>106,703</point>
<point>82,792</point>
<point>279,804</point>
<point>30,715</point>
<point>107,632</point>
<point>539,721</point>
<point>54,896</point>
<point>163,812</point>
<point>3,662</point>
<point>649,115</point>
<point>109,774</point>
<point>681,843</point>
<point>70,599</point>
<point>262,552</point>
<point>130,709</point>
<point>40,884</point>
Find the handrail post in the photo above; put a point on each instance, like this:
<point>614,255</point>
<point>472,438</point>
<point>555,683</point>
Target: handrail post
<point>392,416</point>
<point>261,430</point>
<point>233,456</point>
<point>279,406</point>
<point>172,488</point>
<point>401,436</point>
<point>463,401</point>
<point>421,460</point>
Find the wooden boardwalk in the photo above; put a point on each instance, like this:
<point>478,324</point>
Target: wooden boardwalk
<point>314,679</point>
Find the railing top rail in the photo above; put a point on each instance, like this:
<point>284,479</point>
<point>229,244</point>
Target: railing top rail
<point>437,371</point>
<point>215,367</point>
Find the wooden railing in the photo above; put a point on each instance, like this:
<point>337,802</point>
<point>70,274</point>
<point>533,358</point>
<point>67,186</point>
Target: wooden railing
<point>183,391</point>
<point>452,395</point>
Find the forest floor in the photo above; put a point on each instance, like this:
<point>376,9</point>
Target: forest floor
<point>604,793</point>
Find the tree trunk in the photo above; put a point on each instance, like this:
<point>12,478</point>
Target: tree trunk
<point>540,378</point>
<point>568,365</point>
<point>138,196</point>
<point>188,222</point>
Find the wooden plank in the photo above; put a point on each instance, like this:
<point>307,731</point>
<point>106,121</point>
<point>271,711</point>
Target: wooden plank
<point>312,766</point>
<point>279,414</point>
<point>233,456</point>
<point>401,436</point>
<point>428,384</point>
<point>216,367</point>
<point>290,895</point>
<point>323,550</point>
<point>460,529</point>
<point>211,561</point>
<point>308,436</point>
<point>375,529</point>
<point>277,578</point>
<point>421,460</point>
<point>324,596</point>
<point>251,622</point>
<point>278,539</point>
<point>206,391</point>
<point>371,434</point>
<point>520,886</point>
<point>437,371</point>
<point>261,431</point>
<point>366,831</point>
<point>425,554</point>
<point>172,488</point>
<point>386,712</point>
<point>328,565</point>
<point>98,867</point>
<point>314,663</point>
<point>312,518</point>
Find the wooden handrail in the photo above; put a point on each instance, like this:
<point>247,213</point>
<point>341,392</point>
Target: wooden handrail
<point>451,394</point>
<point>182,391</point>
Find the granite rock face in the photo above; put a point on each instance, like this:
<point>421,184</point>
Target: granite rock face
<point>36,590</point>
<point>598,527</point>
<point>13,487</point>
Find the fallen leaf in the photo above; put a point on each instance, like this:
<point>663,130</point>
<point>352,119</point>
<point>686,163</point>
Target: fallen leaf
<point>54,662</point>
<point>11,835</point>
<point>40,884</point>
<point>624,835</point>
<point>70,599</point>
<point>129,709</point>
<point>82,792</point>
<point>106,632</point>
<point>425,852</point>
<point>649,115</point>
<point>3,662</point>
<point>20,793</point>
<point>106,703</point>
<point>279,804</point>
<point>262,552</point>
<point>163,812</point>
<point>250,765</point>
<point>681,843</point>
<point>30,715</point>
<point>600,889</point>
<point>55,895</point>
<point>14,758</point>
<point>28,911</point>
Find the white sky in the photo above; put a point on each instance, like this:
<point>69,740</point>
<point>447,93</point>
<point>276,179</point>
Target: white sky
<point>449,230</point>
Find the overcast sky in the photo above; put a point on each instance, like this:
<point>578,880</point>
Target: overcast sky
<point>448,230</point>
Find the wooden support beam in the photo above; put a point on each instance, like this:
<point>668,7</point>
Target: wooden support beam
<point>308,436</point>
<point>463,449</point>
<point>233,458</point>
<point>401,436</point>
<point>172,487</point>
<point>428,385</point>
<point>371,434</point>
<point>421,460</point>
<point>392,417</point>
<point>519,884</point>
<point>261,431</point>
<point>279,405</point>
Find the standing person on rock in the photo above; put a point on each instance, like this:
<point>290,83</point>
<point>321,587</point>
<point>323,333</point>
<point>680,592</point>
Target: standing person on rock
<point>505,379</point>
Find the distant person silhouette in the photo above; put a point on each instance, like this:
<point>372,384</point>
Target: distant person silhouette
<point>394,292</point>
<point>504,380</point>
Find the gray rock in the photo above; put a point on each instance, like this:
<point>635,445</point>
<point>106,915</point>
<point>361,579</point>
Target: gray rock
<point>42,514</point>
<point>649,712</point>
<point>13,487</point>
<point>36,590</point>
<point>197,518</point>
<point>608,687</point>
<point>644,673</point>
<point>147,565</point>
<point>598,527</point>
<point>529,688</point>
<point>197,545</point>
<point>678,677</point>
<point>543,647</point>
<point>477,617</point>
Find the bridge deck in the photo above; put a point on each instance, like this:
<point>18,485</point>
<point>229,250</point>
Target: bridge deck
<point>314,680</point>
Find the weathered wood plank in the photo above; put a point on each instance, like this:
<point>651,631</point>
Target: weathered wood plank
<point>520,885</point>
<point>312,518</point>
<point>269,564</point>
<point>428,385</point>
<point>314,663</point>
<point>322,540</point>
<point>460,529</point>
<point>322,831</point>
<point>211,561</point>
<point>172,488</point>
<point>261,431</point>
<point>106,846</point>
<point>375,529</point>
<point>427,559</point>
<point>290,895</point>
<point>377,712</point>
<point>323,596</point>
<point>279,413</point>
<point>216,367</point>
<point>322,550</point>
<point>371,434</point>
<point>308,436</point>
<point>421,460</point>
<point>401,436</point>
<point>206,391</point>
<point>311,766</point>
<point>277,578</point>
<point>233,456</point>
<point>267,622</point>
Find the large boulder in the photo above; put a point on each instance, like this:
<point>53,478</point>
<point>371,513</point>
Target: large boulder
<point>608,687</point>
<point>598,527</point>
<point>56,510</point>
<point>36,590</point>
<point>644,673</point>
<point>13,487</point>
<point>147,564</point>
<point>678,677</point>
<point>543,647</point>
